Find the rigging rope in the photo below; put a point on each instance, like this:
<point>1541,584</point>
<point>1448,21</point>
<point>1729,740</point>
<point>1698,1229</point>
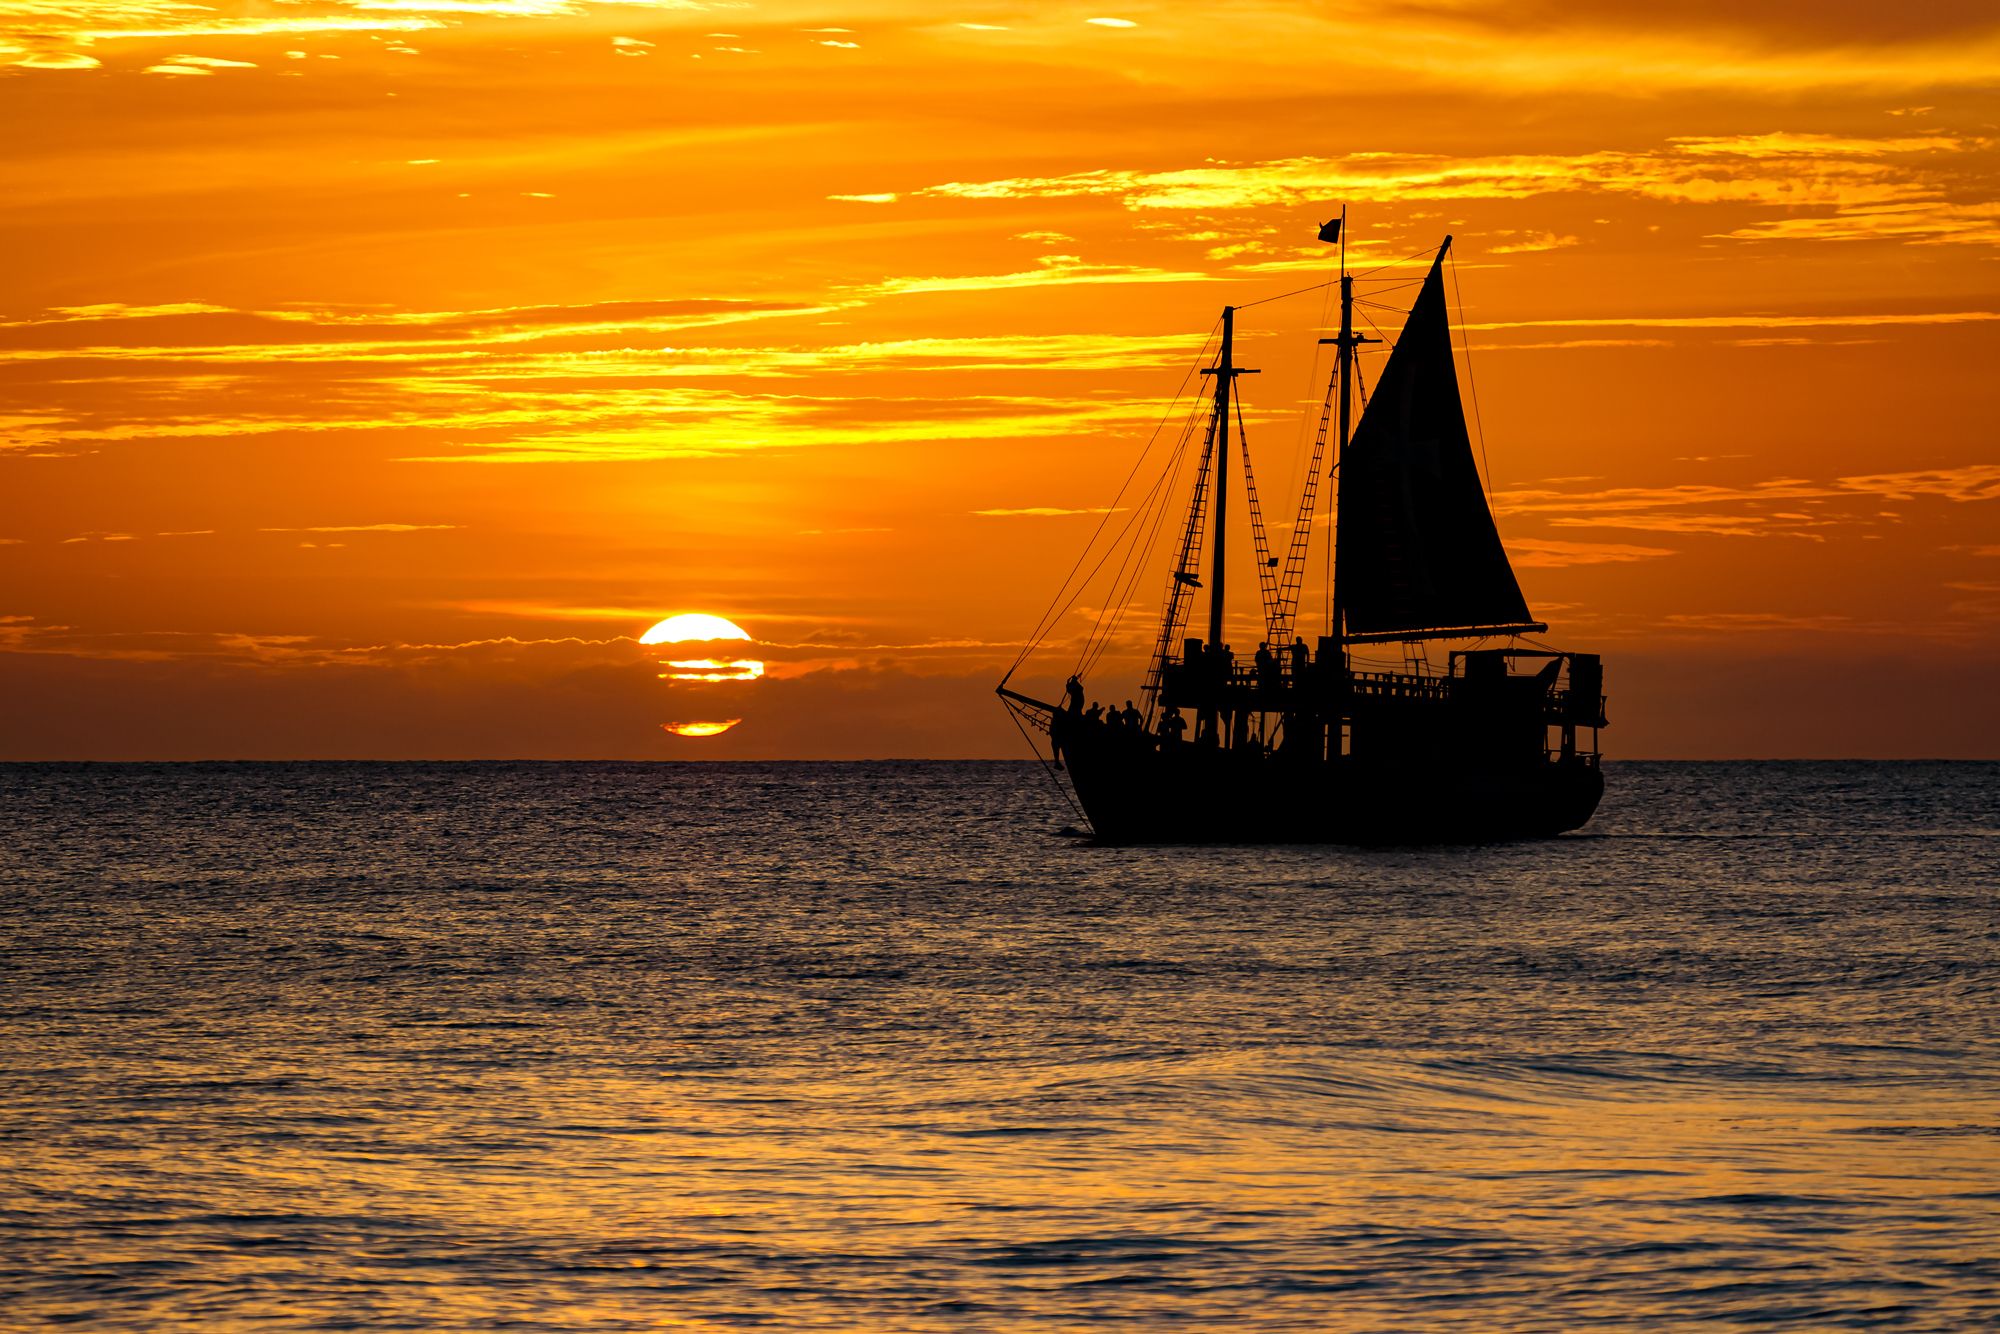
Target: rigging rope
<point>1182,579</point>
<point>1260,542</point>
<point>1124,585</point>
<point>1050,616</point>
<point>1390,264</point>
<point>1131,566</point>
<point>1046,766</point>
<point>1465,341</point>
<point>1297,291</point>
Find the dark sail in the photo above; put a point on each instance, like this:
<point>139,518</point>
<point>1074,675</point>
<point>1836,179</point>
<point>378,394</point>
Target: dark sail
<point>1416,548</point>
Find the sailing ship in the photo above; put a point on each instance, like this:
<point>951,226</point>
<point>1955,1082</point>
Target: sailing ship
<point>1299,743</point>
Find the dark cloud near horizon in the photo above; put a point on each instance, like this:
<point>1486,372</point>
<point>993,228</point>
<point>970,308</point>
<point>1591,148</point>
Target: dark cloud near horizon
<point>1819,22</point>
<point>1800,705</point>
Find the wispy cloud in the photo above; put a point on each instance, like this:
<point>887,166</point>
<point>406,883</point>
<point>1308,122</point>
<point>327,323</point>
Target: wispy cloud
<point>1894,187</point>
<point>1672,173</point>
<point>1531,244</point>
<point>1055,271</point>
<point>1926,223</point>
<point>1550,553</point>
<point>1046,512</point>
<point>367,528</point>
<point>203,65</point>
<point>41,34</point>
<point>1856,319</point>
<point>618,380</point>
<point>1763,509</point>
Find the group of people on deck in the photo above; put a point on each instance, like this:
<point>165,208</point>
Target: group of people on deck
<point>1209,667</point>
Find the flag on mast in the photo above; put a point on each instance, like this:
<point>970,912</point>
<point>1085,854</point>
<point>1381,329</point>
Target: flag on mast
<point>1330,232</point>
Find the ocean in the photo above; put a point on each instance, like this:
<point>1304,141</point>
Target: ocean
<point>880,1047</point>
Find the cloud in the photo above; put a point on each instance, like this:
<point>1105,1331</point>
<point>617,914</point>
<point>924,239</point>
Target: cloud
<point>211,62</point>
<point>178,69</point>
<point>1893,187</point>
<point>276,697</point>
<point>1736,621</point>
<point>605,381</point>
<point>1858,319</point>
<point>1783,144</point>
<point>1047,512</point>
<point>1055,271</point>
<point>501,323</point>
<point>48,36</point>
<point>367,528</point>
<point>51,60</point>
<point>634,379</point>
<point>1549,553</point>
<point>1976,481</point>
<point>1750,510</point>
<point>1672,174</point>
<point>1929,223</point>
<point>1529,244</point>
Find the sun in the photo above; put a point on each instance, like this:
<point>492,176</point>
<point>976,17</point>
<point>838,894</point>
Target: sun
<point>693,625</point>
<point>701,729</point>
<point>699,627</point>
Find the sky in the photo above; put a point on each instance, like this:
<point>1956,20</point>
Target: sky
<point>374,373</point>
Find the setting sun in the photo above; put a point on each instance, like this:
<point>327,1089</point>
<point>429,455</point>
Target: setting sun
<point>701,729</point>
<point>692,625</point>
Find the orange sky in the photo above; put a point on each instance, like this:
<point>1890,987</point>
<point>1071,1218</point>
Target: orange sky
<point>373,373</point>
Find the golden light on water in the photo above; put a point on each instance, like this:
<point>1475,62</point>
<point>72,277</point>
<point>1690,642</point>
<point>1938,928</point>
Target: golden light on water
<point>701,729</point>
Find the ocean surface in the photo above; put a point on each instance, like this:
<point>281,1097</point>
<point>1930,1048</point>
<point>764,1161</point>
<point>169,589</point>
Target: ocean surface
<point>876,1047</point>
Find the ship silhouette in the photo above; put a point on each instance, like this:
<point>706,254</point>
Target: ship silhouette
<point>1298,742</point>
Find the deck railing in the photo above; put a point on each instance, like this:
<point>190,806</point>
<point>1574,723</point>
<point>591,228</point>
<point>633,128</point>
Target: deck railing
<point>1279,681</point>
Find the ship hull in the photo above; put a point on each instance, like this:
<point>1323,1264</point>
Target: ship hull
<point>1133,792</point>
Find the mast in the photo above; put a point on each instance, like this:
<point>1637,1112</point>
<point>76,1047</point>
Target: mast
<point>1346,361</point>
<point>1225,372</point>
<point>1346,345</point>
<point>1225,375</point>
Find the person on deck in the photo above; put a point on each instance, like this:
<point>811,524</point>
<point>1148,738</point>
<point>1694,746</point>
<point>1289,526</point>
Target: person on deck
<point>1172,727</point>
<point>1301,659</point>
<point>1221,667</point>
<point>1267,668</point>
<point>1133,722</point>
<point>1095,713</point>
<point>1062,725</point>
